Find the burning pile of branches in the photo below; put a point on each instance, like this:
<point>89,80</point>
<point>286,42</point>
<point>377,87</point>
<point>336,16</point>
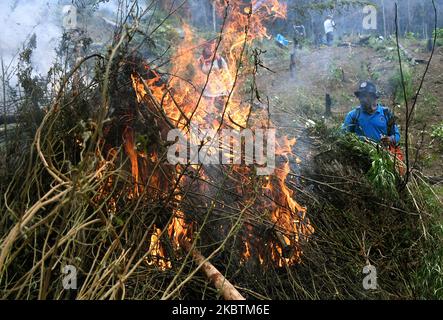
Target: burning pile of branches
<point>109,189</point>
<point>102,195</point>
<point>207,203</point>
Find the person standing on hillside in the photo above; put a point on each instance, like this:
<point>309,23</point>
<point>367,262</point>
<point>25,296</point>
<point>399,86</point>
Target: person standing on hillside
<point>219,83</point>
<point>330,27</point>
<point>299,34</point>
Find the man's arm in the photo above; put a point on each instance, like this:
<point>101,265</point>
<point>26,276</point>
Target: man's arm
<point>393,129</point>
<point>349,125</point>
<point>395,138</point>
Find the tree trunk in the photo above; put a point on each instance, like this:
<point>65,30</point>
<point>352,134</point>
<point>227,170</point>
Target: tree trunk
<point>384,18</point>
<point>214,17</point>
<point>425,23</point>
<point>5,110</point>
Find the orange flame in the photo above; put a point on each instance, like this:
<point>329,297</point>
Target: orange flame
<point>128,136</point>
<point>157,252</point>
<point>182,102</point>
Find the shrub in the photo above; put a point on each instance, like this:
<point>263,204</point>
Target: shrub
<point>437,132</point>
<point>439,36</point>
<point>408,85</point>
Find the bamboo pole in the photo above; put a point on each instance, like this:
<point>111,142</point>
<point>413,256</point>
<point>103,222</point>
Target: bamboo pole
<point>227,290</point>
<point>384,18</point>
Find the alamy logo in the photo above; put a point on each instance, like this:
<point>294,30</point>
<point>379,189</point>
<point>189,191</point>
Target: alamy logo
<point>210,147</point>
<point>370,281</point>
<point>370,18</point>
<point>69,281</point>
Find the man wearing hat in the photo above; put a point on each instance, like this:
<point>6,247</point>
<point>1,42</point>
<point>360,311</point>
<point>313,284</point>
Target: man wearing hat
<point>372,120</point>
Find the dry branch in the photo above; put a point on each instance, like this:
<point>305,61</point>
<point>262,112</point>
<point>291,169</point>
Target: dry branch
<point>227,290</point>
<point>409,56</point>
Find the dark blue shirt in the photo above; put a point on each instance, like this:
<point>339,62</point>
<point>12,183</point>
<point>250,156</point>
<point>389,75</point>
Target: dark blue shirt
<point>372,126</point>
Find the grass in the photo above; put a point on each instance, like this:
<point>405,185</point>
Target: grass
<point>274,52</point>
<point>399,91</point>
<point>427,106</point>
<point>437,132</point>
<point>378,44</point>
<point>336,75</point>
<point>359,198</point>
<point>439,36</point>
<point>302,103</point>
<point>429,277</point>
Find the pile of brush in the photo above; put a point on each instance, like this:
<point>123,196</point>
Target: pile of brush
<point>80,197</point>
<point>365,222</point>
<point>75,199</point>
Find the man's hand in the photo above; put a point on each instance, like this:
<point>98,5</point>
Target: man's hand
<point>385,140</point>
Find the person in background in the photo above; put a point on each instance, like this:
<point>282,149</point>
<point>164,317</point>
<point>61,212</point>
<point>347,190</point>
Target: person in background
<point>330,27</point>
<point>299,34</point>
<point>219,82</point>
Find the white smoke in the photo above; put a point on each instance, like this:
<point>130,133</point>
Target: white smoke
<point>20,19</point>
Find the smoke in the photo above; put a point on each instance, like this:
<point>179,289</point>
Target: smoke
<point>110,7</point>
<point>20,19</point>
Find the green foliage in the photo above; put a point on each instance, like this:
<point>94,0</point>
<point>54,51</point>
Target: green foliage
<point>410,36</point>
<point>396,82</point>
<point>329,5</point>
<point>164,36</point>
<point>376,75</point>
<point>427,105</point>
<point>429,277</point>
<point>307,104</point>
<point>431,100</point>
<point>363,72</point>
<point>408,264</point>
<point>377,44</point>
<point>382,174</point>
<point>437,132</point>
<point>439,36</point>
<point>336,74</point>
<point>271,51</point>
<point>366,72</point>
<point>158,35</point>
<point>34,89</point>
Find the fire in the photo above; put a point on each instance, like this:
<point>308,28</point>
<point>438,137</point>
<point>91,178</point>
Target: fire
<point>157,252</point>
<point>178,229</point>
<point>128,136</point>
<point>182,100</point>
<point>290,217</point>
